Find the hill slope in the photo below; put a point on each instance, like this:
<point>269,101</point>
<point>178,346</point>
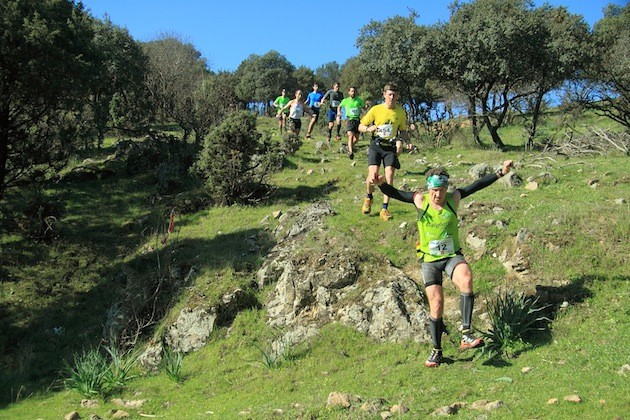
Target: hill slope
<point>575,230</point>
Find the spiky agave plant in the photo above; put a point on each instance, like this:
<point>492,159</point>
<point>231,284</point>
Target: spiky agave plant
<point>87,372</point>
<point>121,364</point>
<point>513,316</point>
<point>172,363</point>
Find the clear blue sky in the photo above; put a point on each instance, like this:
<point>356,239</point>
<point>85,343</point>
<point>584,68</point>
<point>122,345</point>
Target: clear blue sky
<point>226,32</point>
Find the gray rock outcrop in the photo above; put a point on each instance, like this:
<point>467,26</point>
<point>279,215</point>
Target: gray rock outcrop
<point>191,330</point>
<point>333,282</point>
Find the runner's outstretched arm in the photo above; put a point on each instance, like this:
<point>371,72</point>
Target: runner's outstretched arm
<point>392,192</point>
<point>485,181</point>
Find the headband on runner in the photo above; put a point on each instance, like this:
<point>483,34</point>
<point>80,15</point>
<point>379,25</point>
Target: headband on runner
<point>437,181</point>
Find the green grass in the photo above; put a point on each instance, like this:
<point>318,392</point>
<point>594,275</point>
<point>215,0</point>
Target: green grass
<point>577,236</point>
<point>227,376</point>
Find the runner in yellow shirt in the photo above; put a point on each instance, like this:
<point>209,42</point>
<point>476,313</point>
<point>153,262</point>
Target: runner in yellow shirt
<point>388,124</point>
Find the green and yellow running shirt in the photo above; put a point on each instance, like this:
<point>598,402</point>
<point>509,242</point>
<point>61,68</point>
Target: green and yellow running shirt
<point>388,121</point>
<point>353,107</point>
<point>439,235</point>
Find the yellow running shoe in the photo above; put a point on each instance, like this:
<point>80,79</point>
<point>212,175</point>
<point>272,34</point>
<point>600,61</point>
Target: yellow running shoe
<point>367,206</point>
<point>385,215</point>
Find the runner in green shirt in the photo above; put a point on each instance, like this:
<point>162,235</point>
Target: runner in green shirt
<point>352,105</point>
<point>439,250</point>
<point>279,103</point>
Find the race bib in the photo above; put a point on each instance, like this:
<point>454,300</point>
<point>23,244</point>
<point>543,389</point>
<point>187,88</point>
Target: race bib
<point>441,247</point>
<point>334,104</point>
<point>317,104</point>
<point>352,112</point>
<point>385,131</point>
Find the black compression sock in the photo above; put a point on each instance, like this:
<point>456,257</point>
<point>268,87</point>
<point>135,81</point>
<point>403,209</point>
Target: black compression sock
<point>435,327</point>
<point>466,301</point>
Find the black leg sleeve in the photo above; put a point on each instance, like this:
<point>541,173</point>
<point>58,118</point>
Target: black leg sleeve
<point>478,185</point>
<point>392,192</point>
<point>435,326</point>
<point>467,302</point>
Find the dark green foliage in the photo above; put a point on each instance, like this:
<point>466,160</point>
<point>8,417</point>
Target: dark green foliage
<point>513,317</point>
<point>235,160</point>
<point>46,62</point>
<point>41,217</point>
<point>261,78</point>
<point>169,157</point>
<point>609,90</point>
<point>119,98</point>
<point>169,177</point>
<point>291,144</point>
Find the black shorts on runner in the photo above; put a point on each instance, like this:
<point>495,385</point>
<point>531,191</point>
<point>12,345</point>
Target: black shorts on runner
<point>383,152</point>
<point>353,126</point>
<point>296,123</point>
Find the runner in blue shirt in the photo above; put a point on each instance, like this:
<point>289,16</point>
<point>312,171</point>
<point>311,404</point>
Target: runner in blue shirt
<point>313,100</point>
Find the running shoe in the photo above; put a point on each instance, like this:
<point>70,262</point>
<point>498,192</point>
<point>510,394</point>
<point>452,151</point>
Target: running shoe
<point>367,206</point>
<point>469,341</point>
<point>435,358</point>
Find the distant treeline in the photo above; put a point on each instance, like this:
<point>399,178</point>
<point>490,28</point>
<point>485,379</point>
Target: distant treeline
<point>68,79</point>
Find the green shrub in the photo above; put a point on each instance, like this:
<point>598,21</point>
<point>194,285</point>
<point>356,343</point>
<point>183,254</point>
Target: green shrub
<point>279,350</point>
<point>513,317</point>
<point>235,162</point>
<point>168,157</point>
<point>169,177</point>
<point>120,367</point>
<point>291,143</point>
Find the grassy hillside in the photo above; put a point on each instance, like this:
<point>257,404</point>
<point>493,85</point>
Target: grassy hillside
<point>54,294</point>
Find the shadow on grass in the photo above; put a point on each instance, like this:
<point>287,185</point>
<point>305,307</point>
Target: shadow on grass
<point>311,159</point>
<point>289,164</point>
<point>551,300</point>
<point>555,297</point>
<point>63,289</point>
<point>303,193</point>
<point>497,362</point>
<point>69,307</point>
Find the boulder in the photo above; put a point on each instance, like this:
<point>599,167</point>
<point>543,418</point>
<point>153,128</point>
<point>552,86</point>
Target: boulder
<point>191,329</point>
<point>334,282</point>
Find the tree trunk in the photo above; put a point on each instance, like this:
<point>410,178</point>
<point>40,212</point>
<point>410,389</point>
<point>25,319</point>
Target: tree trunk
<point>535,116</point>
<point>4,146</point>
<point>504,106</point>
<point>494,133</point>
<point>472,114</point>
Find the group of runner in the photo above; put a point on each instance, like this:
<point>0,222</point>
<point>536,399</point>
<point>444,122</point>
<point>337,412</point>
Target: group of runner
<point>438,249</point>
<point>351,107</point>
